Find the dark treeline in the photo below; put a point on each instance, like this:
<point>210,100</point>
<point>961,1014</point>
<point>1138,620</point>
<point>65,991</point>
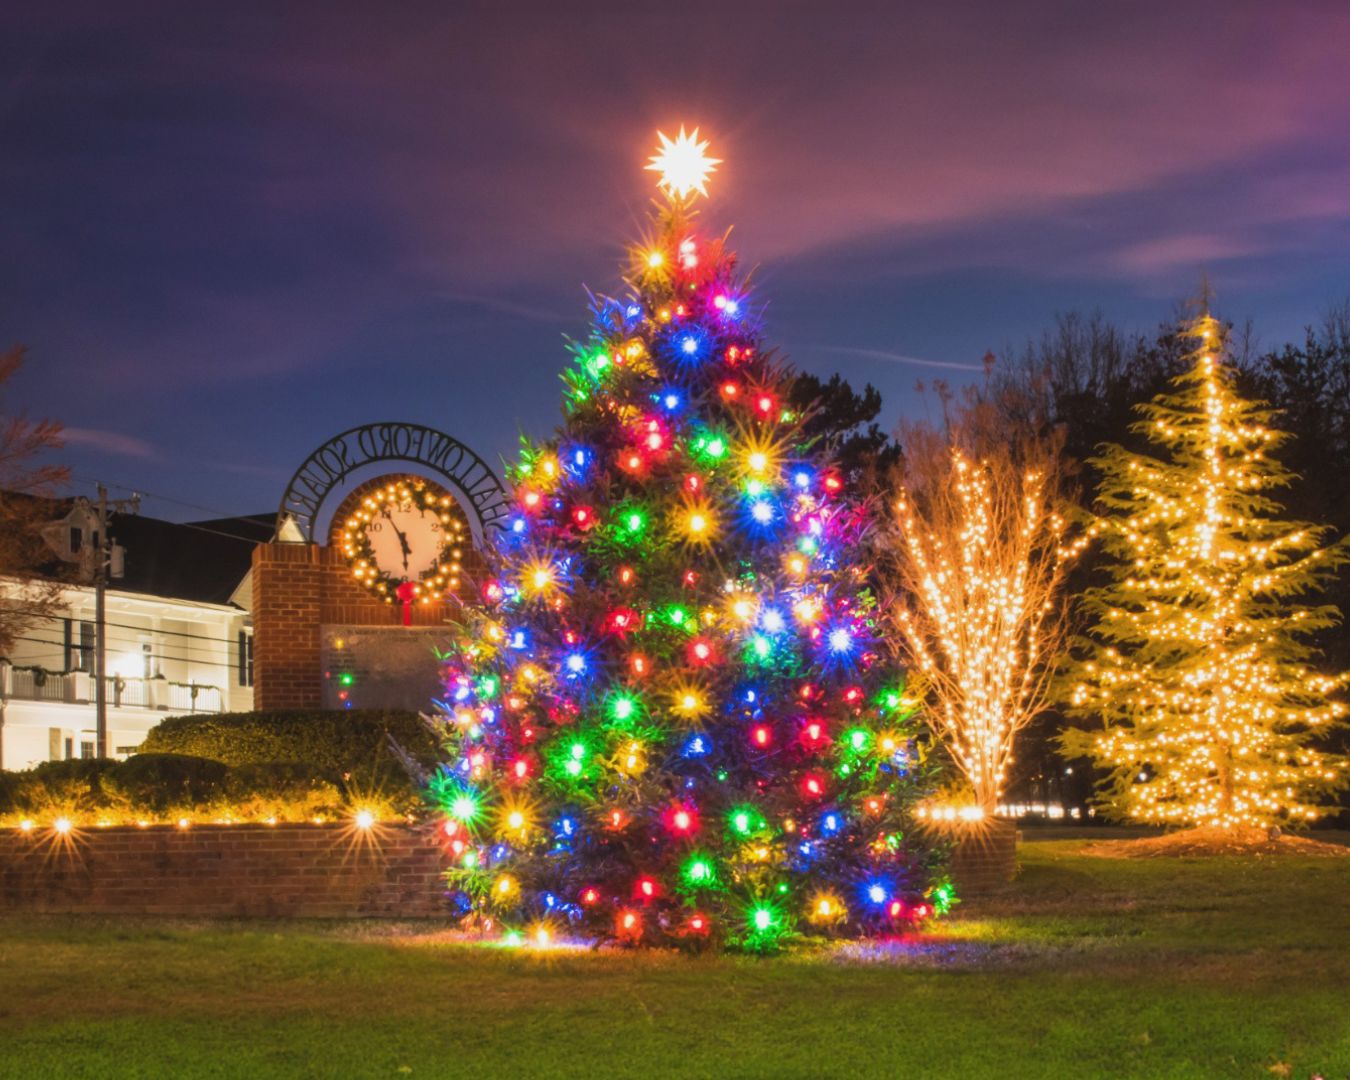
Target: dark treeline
<point>1087,375</point>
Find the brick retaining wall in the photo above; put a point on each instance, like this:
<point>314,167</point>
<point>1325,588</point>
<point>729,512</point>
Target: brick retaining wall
<point>306,870</point>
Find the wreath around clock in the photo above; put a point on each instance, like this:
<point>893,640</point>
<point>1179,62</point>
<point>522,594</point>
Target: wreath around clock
<point>356,546</point>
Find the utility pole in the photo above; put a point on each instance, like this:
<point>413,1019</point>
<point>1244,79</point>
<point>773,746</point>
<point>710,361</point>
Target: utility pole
<point>103,556</point>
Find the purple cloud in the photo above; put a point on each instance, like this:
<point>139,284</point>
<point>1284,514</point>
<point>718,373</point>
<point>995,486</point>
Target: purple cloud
<point>110,442</point>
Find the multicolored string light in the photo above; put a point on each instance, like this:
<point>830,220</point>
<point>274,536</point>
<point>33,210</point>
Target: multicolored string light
<point>671,722</point>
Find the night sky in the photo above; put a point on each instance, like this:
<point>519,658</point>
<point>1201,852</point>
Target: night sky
<point>229,232</point>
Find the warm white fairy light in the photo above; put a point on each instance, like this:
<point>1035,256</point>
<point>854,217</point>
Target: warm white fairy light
<point>981,557</point>
<point>1201,671</point>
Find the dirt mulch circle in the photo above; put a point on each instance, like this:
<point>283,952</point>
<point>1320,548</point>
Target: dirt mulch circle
<point>1214,841</point>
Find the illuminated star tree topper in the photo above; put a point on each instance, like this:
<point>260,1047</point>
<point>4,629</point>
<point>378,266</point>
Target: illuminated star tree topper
<point>683,165</point>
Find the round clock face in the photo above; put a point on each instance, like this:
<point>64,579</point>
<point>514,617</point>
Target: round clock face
<point>405,539</point>
<point>405,530</point>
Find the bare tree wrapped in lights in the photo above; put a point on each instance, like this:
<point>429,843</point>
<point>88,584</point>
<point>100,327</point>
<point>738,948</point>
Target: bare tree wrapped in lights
<point>980,555</point>
<point>1198,665</point>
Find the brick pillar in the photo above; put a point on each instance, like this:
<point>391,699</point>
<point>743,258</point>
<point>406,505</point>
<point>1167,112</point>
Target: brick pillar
<point>287,594</point>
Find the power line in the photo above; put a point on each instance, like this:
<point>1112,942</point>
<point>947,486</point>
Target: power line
<point>129,626</point>
<point>180,502</point>
<point>154,495</point>
<point>202,661</point>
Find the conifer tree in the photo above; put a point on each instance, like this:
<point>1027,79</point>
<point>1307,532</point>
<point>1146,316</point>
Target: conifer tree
<point>1199,664</point>
<point>672,720</point>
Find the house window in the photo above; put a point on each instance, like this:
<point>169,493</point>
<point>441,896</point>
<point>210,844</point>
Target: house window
<point>86,750</point>
<point>245,658</point>
<point>86,657</point>
<point>76,539</point>
<point>147,660</point>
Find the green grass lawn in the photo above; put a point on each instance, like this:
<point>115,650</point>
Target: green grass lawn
<point>1085,968</point>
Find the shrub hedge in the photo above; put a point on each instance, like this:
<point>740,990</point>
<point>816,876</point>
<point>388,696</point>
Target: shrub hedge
<point>287,766</point>
<point>168,787</point>
<point>355,741</point>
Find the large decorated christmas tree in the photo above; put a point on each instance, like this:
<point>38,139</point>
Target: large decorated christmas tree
<point>671,719</point>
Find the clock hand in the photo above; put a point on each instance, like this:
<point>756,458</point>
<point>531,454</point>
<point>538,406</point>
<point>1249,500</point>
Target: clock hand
<point>402,539</point>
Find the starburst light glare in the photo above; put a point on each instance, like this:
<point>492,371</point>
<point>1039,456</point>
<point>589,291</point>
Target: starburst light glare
<point>682,163</point>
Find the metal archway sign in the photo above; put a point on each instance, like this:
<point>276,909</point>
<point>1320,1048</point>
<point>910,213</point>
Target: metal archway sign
<point>481,491</point>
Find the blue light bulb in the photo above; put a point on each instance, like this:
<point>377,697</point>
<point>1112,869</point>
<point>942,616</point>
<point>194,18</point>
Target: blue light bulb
<point>841,640</point>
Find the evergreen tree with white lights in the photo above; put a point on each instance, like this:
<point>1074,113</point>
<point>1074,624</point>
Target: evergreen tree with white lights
<point>1198,662</point>
<point>672,720</point>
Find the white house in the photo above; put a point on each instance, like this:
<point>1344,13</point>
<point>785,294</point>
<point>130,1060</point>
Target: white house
<point>178,631</point>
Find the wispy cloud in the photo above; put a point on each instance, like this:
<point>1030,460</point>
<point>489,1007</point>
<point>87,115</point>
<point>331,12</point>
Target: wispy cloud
<point>110,442</point>
<point>508,307</point>
<point>1189,249</point>
<point>901,358</point>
